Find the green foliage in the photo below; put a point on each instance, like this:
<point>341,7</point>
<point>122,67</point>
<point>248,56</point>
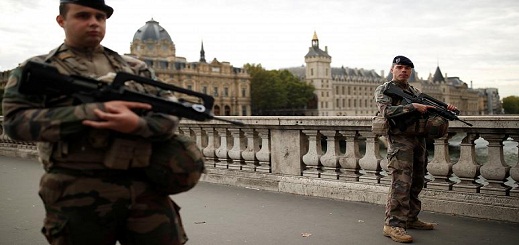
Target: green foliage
<point>276,90</point>
<point>511,105</point>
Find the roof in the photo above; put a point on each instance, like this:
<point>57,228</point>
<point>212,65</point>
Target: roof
<point>152,31</point>
<point>438,76</point>
<point>337,72</point>
<point>316,52</point>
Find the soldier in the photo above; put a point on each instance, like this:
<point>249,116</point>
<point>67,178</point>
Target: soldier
<point>96,188</point>
<point>407,155</point>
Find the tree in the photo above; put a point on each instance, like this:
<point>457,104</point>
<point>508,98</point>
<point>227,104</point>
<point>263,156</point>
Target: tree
<point>511,105</point>
<point>276,92</point>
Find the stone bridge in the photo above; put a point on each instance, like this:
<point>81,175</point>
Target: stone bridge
<point>473,171</point>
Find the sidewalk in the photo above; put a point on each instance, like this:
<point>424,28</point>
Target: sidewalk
<point>216,214</point>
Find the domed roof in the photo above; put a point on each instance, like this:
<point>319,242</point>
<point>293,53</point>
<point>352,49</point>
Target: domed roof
<point>152,31</point>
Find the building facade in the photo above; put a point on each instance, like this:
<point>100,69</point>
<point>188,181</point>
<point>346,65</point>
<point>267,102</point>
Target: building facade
<point>350,92</point>
<point>230,86</point>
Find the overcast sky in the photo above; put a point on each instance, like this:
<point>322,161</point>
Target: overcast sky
<point>476,40</point>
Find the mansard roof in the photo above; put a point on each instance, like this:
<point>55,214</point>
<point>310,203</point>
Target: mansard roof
<point>337,72</point>
<point>316,52</point>
<point>456,82</point>
<point>346,71</point>
<point>152,31</point>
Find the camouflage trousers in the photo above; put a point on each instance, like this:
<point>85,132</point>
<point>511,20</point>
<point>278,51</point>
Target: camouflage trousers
<point>407,160</point>
<point>104,207</point>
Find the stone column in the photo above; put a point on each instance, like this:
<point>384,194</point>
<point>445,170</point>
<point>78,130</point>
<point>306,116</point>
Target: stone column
<point>249,154</point>
<point>311,158</point>
<point>495,170</point>
<point>209,150</point>
<point>440,167</point>
<point>238,146</point>
<point>370,163</point>
<point>286,152</point>
<point>263,155</point>
<point>467,168</point>
<point>330,159</point>
<point>514,171</point>
<point>222,159</point>
<point>198,137</point>
<point>184,131</point>
<point>350,161</point>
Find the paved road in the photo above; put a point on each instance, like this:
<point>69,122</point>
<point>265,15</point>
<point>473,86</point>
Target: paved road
<point>216,214</point>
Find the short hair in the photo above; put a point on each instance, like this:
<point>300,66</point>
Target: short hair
<point>63,9</point>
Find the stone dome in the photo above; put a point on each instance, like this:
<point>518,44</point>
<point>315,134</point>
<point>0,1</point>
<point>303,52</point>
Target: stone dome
<point>152,31</point>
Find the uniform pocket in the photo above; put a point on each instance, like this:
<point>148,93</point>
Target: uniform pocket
<point>52,186</point>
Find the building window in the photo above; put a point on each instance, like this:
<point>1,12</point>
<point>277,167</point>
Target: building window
<point>226,92</point>
<point>244,110</point>
<point>204,89</point>
<point>215,91</point>
<point>243,92</point>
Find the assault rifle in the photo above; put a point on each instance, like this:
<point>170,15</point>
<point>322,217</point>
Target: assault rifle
<point>439,109</point>
<point>44,79</point>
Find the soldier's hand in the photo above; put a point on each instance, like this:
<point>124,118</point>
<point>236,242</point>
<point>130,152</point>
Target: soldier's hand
<point>422,108</point>
<point>451,107</point>
<point>118,116</point>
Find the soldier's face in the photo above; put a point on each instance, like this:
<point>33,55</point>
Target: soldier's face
<point>401,72</point>
<point>84,26</point>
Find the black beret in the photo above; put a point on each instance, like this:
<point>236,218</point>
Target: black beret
<point>402,60</point>
<point>96,4</point>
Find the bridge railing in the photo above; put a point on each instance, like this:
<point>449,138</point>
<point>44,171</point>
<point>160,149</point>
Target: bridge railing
<point>330,154</point>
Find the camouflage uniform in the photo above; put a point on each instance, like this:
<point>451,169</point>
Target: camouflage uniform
<point>94,189</point>
<point>407,157</point>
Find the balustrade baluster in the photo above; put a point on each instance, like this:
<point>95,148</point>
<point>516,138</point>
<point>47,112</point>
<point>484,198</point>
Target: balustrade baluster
<point>184,130</point>
<point>440,167</point>
<point>514,171</point>
<point>495,170</point>
<point>467,168</point>
<point>330,159</point>
<point>249,154</point>
<point>236,161</point>
<point>198,137</point>
<point>209,150</point>
<point>370,163</point>
<point>311,158</point>
<point>263,155</point>
<point>222,159</point>
<point>350,161</point>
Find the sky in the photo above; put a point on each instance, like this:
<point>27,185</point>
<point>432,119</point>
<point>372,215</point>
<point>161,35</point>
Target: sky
<point>475,40</point>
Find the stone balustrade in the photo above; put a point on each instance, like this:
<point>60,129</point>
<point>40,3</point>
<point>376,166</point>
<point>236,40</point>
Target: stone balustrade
<point>339,157</point>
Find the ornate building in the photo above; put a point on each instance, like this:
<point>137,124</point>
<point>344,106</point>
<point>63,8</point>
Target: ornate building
<point>230,86</point>
<point>348,92</point>
<point>338,91</point>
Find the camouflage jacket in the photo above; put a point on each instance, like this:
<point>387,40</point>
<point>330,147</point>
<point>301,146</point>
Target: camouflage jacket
<point>402,116</point>
<point>57,120</point>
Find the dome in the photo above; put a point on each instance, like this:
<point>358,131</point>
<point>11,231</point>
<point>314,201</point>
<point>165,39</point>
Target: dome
<point>152,31</point>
